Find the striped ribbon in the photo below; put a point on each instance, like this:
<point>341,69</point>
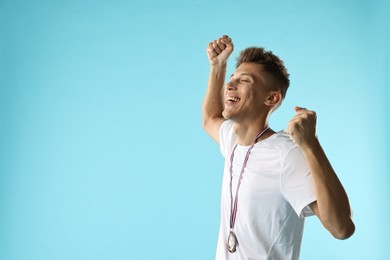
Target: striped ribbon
<point>233,206</point>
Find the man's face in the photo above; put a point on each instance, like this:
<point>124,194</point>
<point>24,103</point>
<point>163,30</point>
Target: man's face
<point>245,93</point>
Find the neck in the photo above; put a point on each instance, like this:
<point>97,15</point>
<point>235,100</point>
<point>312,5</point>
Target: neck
<point>246,133</point>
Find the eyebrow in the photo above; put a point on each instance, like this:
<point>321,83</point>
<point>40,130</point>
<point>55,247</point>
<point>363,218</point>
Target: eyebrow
<point>245,74</point>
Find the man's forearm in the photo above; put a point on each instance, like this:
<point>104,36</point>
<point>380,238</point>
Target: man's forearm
<point>213,101</point>
<point>333,205</point>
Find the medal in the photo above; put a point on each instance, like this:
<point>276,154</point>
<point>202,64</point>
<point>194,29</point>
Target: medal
<point>232,241</point>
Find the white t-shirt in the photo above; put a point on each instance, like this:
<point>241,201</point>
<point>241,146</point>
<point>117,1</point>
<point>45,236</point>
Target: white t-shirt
<point>275,191</point>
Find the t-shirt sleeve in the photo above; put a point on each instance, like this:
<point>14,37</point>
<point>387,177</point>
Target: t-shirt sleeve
<point>296,181</point>
<point>226,137</point>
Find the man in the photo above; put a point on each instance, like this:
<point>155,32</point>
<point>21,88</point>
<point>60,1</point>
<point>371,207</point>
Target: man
<point>272,180</point>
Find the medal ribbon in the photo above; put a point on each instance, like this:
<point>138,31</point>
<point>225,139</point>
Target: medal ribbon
<point>233,205</point>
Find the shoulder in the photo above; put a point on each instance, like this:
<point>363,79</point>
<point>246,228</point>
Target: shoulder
<point>281,140</point>
<point>226,129</point>
<point>227,138</point>
<point>286,147</point>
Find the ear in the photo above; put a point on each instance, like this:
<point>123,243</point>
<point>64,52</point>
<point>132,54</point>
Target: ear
<point>273,99</point>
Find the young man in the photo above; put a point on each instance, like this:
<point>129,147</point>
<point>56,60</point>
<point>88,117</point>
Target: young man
<point>272,180</point>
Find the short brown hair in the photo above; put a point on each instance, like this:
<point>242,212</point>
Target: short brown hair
<point>272,64</point>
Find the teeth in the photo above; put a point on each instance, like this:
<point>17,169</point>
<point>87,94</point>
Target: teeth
<point>234,99</point>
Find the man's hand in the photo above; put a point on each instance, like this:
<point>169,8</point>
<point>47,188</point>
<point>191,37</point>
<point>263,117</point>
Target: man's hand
<point>302,128</point>
<point>219,50</point>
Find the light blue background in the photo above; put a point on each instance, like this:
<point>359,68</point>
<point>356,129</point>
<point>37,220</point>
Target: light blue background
<point>102,153</point>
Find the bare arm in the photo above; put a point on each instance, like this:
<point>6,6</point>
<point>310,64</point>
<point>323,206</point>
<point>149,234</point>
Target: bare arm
<point>218,53</point>
<point>332,206</point>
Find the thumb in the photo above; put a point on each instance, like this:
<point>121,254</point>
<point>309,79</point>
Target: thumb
<point>226,40</point>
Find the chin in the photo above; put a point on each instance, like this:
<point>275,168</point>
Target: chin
<point>228,115</point>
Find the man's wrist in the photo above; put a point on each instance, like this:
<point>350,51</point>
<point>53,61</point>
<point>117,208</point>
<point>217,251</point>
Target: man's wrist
<point>311,146</point>
<point>218,68</point>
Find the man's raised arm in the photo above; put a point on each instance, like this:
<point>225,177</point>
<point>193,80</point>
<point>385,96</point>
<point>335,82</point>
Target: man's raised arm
<point>218,53</point>
<point>332,206</point>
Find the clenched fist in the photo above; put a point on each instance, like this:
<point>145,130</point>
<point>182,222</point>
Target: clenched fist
<point>302,128</point>
<point>219,50</point>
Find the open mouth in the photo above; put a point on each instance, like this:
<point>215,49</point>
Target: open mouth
<point>231,100</point>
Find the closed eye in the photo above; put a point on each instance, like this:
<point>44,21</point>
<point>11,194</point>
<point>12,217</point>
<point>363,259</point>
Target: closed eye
<point>246,80</point>
<point>244,77</point>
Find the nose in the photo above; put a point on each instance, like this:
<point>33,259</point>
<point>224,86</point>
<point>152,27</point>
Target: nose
<point>231,85</point>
